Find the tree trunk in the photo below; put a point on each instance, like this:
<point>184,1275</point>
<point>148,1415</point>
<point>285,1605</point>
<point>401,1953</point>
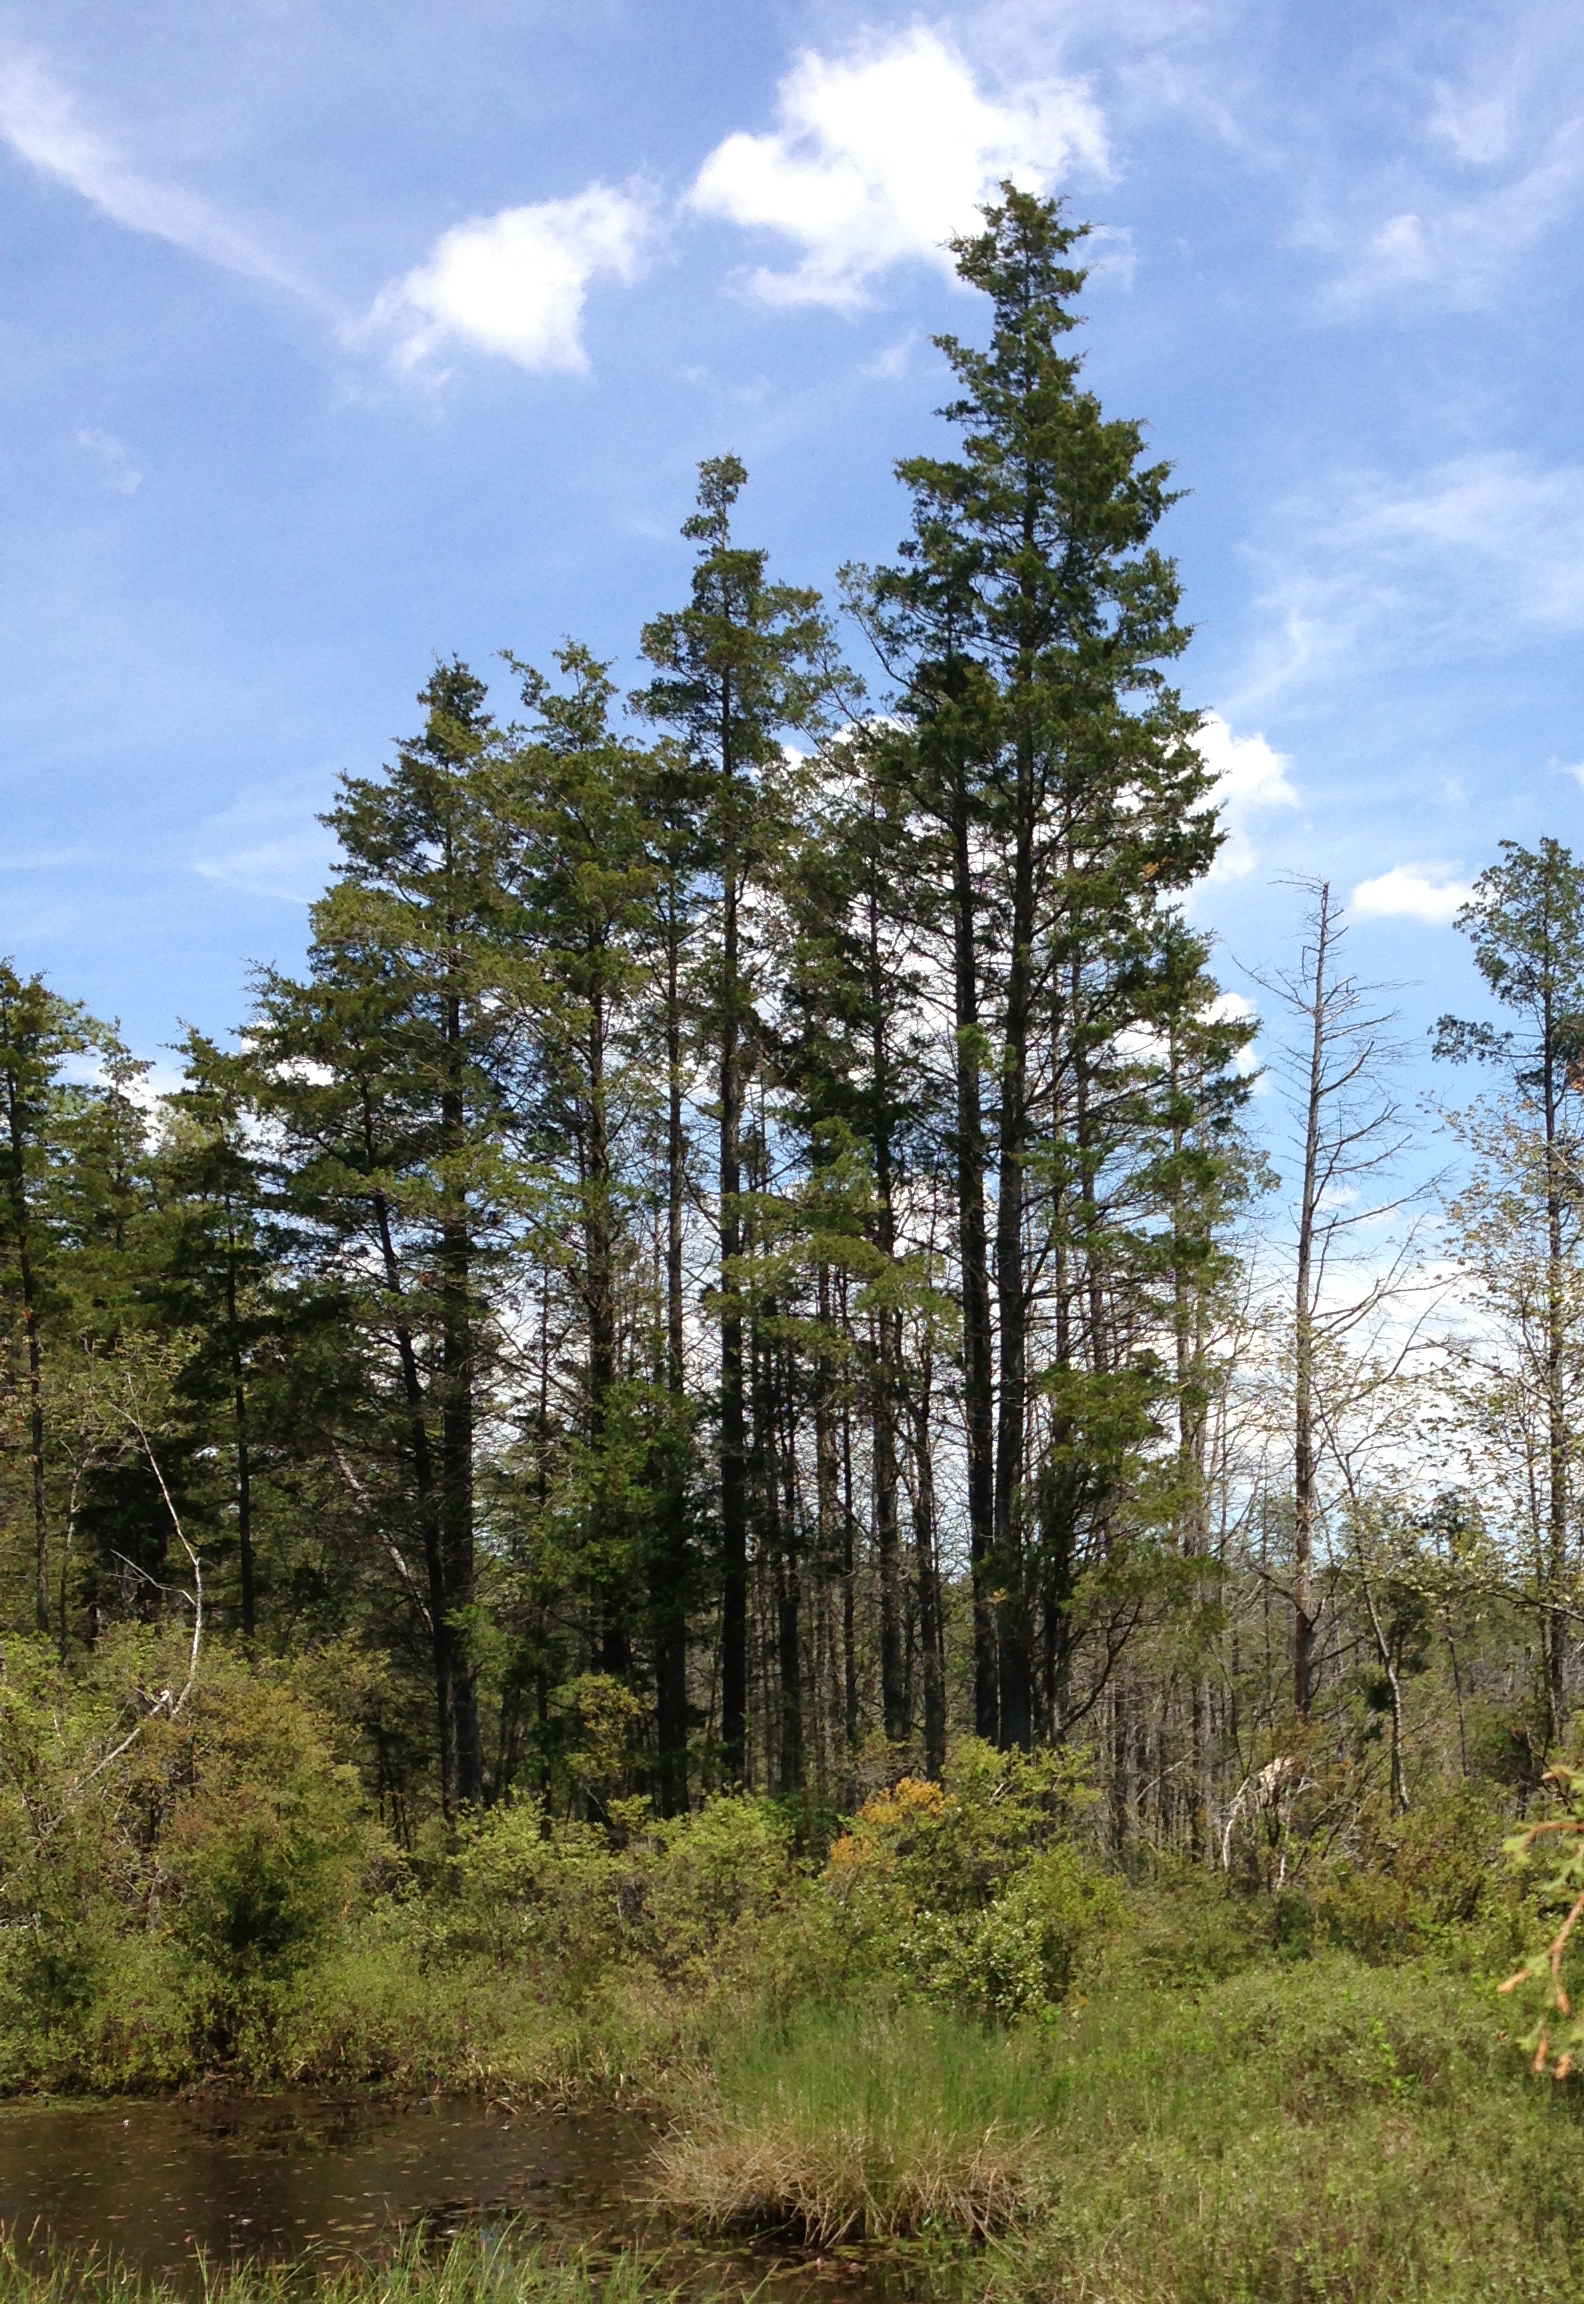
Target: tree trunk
<point>668,1591</point>
<point>1305,1470</point>
<point>973,1249</point>
<point>1014,1639</point>
<point>734,1429</point>
<point>239,1426</point>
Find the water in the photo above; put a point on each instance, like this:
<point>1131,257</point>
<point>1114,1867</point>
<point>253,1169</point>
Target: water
<point>162,2184</point>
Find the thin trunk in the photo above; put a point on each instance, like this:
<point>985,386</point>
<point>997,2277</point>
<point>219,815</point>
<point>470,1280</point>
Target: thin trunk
<point>669,1586</point>
<point>1555,1628</point>
<point>734,1429</point>
<point>926,1569</point>
<point>789,1599</point>
<point>428,1511</point>
<point>1012,1613</point>
<point>456,1422</point>
<point>244,1462</point>
<point>849,1567</point>
<point>973,1248</point>
<point>883,1405</point>
<point>1305,1470</point>
<point>22,1232</point>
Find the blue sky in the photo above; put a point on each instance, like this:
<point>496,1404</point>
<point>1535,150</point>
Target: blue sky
<point>334,338</point>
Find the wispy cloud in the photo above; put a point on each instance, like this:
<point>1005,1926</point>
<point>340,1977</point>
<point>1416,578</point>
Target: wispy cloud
<point>42,124</point>
<point>1483,159</point>
<point>516,283</point>
<point>1452,247</point>
<point>881,154</point>
<point>1431,893</point>
<point>1477,555</point>
<point>118,469</point>
<point>268,843</point>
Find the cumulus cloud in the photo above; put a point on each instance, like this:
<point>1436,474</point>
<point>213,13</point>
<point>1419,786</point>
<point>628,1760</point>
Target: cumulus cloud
<point>1428,892</point>
<point>515,283</point>
<point>1234,1008</point>
<point>43,127</point>
<point>882,154</point>
<point>1250,778</point>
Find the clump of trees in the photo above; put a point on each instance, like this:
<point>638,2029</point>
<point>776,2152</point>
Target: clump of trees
<point>739,1257</point>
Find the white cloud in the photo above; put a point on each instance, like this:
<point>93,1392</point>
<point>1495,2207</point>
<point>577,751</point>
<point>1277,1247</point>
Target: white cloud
<point>516,283</point>
<point>881,155</point>
<point>269,843</point>
<point>1458,250</point>
<point>119,471</point>
<point>1234,1008</point>
<point>1250,777</point>
<point>1428,892</point>
<point>1488,160</point>
<point>42,126</point>
<point>1479,554</point>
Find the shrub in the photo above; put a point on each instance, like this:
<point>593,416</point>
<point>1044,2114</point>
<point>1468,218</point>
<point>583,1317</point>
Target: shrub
<point>1022,1954</point>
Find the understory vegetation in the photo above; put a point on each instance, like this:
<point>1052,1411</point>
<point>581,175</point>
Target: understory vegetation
<point>711,1466</point>
<point>950,2022</point>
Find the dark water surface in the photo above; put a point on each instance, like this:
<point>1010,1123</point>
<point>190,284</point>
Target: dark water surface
<point>162,2184</point>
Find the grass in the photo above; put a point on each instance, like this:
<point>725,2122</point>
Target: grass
<point>844,2127</point>
<point>476,2268</point>
<point>1292,2134</point>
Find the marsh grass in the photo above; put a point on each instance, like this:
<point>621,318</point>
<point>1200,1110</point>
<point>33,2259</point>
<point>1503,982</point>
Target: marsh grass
<point>499,2267</point>
<point>844,2125</point>
<point>1292,2134</point>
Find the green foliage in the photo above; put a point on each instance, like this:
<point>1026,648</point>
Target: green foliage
<point>972,1891</point>
<point>167,1869</point>
<point>1425,1881</point>
<point>1321,2132</point>
<point>501,2266</point>
<point>1022,1954</point>
<point>686,1895</point>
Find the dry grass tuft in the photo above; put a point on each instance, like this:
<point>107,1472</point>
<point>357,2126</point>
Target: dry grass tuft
<point>853,2182</point>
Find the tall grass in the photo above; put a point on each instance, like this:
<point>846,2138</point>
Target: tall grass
<point>840,2126</point>
<point>475,2268</point>
<point>1292,2134</point>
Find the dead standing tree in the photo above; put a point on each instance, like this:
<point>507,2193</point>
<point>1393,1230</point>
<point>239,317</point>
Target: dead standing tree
<point>1349,1132</point>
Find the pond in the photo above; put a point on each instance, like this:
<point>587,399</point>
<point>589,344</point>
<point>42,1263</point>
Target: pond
<point>163,2184</point>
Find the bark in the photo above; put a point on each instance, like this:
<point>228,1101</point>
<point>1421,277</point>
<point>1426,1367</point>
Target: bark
<point>883,1405</point>
<point>733,1410</point>
<point>1554,1627</point>
<point>239,1426</point>
<point>926,1569</point>
<point>457,1375</point>
<point>668,1585</point>
<point>1305,1468</point>
<point>27,1278</point>
<point>1015,1650</point>
<point>443,1635</point>
<point>973,1249</point>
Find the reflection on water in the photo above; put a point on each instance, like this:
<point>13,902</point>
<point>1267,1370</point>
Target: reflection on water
<point>161,2185</point>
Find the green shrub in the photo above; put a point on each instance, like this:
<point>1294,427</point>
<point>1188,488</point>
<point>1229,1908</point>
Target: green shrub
<point>1021,1954</point>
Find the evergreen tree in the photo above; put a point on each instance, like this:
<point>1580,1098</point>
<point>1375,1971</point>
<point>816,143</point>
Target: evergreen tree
<point>388,1075</point>
<point>1036,614</point>
<point>1525,923</point>
<point>39,1033</point>
<point>744,665</point>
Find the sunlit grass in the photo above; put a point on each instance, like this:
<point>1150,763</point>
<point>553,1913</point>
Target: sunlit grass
<point>1293,2134</point>
<point>500,2267</point>
<point>847,2125</point>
